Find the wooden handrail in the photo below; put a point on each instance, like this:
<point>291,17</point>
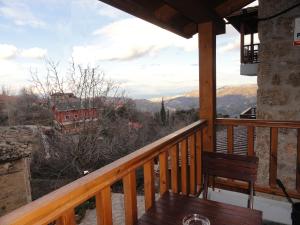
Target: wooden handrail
<point>258,123</point>
<point>61,203</point>
<point>273,126</point>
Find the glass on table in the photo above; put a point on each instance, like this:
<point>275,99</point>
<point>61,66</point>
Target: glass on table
<point>195,219</point>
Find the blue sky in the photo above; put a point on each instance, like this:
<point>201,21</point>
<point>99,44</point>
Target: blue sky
<point>147,60</point>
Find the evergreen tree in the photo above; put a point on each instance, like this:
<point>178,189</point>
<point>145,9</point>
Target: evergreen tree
<point>163,116</point>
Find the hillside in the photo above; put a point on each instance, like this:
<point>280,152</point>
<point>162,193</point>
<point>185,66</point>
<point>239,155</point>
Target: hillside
<point>231,100</point>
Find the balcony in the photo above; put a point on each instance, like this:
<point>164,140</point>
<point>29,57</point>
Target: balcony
<point>180,172</point>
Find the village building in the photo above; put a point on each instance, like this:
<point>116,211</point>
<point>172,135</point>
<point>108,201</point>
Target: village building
<point>72,113</point>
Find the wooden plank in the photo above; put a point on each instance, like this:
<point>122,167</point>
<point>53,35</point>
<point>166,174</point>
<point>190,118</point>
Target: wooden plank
<point>149,184</point>
<point>298,162</point>
<point>130,204</point>
<point>273,156</point>
<point>192,148</point>
<point>163,172</point>
<point>207,79</point>
<point>51,206</point>
<point>103,207</point>
<point>230,139</point>
<point>199,148</point>
<point>184,163</point>
<point>250,134</point>
<point>67,218</point>
<point>258,123</point>
<point>174,168</point>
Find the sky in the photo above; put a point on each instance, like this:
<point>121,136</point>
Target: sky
<point>144,59</point>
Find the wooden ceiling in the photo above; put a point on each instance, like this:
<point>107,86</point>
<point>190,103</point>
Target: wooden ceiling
<point>181,16</point>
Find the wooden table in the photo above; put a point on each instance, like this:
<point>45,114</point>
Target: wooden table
<point>170,209</point>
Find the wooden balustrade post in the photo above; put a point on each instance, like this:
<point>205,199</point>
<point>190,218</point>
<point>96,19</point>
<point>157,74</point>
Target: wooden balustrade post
<point>298,162</point>
<point>163,173</point>
<point>273,156</point>
<point>149,184</point>
<point>230,139</point>
<point>129,185</point>
<point>250,137</point>
<point>103,207</point>
<point>67,218</point>
<point>199,148</point>
<point>192,148</point>
<point>184,163</point>
<point>174,168</point>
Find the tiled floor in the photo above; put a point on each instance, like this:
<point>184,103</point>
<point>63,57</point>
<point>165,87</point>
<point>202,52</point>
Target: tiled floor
<point>272,223</point>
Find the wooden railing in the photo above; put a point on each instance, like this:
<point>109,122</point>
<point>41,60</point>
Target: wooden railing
<point>185,177</point>
<point>274,127</point>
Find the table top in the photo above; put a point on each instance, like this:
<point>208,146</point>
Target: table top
<point>170,209</point>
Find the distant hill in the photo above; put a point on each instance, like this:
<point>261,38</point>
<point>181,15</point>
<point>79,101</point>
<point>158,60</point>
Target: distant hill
<point>231,100</point>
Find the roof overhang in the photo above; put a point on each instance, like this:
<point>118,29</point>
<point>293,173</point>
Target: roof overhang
<point>181,16</point>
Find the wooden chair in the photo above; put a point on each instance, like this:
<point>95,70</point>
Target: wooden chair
<point>237,167</point>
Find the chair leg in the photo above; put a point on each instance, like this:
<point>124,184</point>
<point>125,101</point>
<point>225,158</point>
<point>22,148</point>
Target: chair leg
<point>251,194</point>
<point>205,187</point>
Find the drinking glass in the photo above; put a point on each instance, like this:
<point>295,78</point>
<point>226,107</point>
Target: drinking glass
<point>195,219</point>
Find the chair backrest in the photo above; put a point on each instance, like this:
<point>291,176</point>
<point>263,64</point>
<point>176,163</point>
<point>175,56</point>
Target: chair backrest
<point>237,167</point>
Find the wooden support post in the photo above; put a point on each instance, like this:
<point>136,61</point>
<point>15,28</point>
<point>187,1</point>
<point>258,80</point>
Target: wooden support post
<point>242,43</point>
<point>207,79</point>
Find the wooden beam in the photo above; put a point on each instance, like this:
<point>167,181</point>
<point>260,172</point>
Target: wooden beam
<point>207,79</point>
<point>230,6</point>
<point>199,12</point>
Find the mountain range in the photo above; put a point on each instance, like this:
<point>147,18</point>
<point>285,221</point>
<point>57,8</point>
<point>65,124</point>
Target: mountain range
<point>231,100</point>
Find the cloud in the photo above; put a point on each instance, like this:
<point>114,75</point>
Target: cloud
<point>231,46</point>
<point>129,39</point>
<point>20,14</point>
<point>109,11</point>
<point>34,53</point>
<point>8,51</point>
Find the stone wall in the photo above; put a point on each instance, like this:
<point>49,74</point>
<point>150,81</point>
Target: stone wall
<point>14,185</point>
<point>16,145</point>
<point>278,95</point>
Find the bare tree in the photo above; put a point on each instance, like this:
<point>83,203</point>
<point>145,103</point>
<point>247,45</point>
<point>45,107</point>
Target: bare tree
<point>97,142</point>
